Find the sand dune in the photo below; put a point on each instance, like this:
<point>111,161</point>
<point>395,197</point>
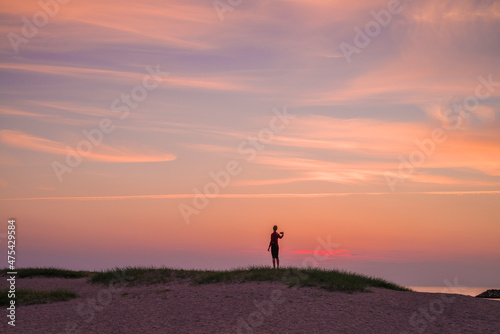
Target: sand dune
<point>254,307</point>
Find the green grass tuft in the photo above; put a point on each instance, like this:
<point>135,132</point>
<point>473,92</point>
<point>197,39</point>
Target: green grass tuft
<point>134,275</point>
<point>47,272</point>
<point>29,297</point>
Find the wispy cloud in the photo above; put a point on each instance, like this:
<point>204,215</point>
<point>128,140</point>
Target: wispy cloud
<point>214,82</point>
<point>111,22</point>
<point>102,152</point>
<point>363,150</point>
<point>21,113</point>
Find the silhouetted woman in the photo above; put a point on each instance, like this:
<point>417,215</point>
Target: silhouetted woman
<point>274,246</point>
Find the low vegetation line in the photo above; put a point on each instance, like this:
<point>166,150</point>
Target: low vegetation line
<point>47,272</point>
<point>29,297</point>
<point>332,280</point>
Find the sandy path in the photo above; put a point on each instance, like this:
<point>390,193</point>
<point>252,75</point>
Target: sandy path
<point>248,308</point>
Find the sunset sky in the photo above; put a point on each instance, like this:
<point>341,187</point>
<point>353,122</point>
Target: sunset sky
<point>177,133</point>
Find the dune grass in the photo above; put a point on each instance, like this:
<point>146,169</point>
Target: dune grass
<point>29,297</point>
<point>47,272</point>
<point>332,280</point>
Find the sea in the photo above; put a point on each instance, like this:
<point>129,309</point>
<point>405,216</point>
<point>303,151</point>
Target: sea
<point>462,290</point>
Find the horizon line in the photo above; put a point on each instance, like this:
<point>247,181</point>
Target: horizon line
<point>249,196</point>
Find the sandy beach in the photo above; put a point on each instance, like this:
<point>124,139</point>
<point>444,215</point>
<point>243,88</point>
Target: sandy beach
<point>254,307</point>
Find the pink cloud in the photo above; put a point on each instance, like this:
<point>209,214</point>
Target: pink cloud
<point>320,252</point>
<point>102,152</point>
